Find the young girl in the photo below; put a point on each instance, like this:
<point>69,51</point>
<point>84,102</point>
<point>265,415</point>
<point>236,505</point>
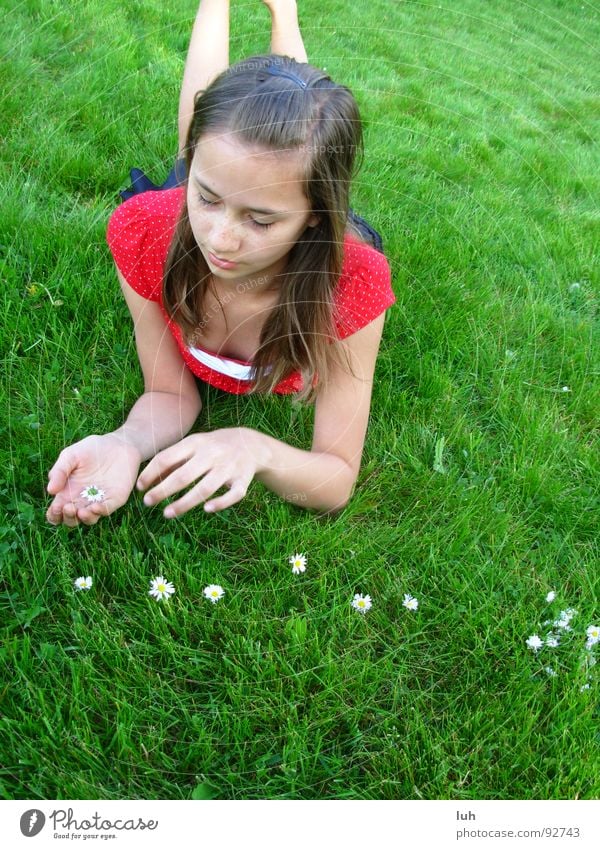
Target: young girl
<point>250,277</point>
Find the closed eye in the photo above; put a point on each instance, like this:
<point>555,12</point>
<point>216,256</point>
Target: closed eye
<point>253,221</point>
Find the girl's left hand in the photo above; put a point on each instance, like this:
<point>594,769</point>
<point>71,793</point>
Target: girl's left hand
<point>227,457</point>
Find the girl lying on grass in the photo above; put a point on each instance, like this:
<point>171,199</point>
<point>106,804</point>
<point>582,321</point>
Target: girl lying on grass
<point>253,276</point>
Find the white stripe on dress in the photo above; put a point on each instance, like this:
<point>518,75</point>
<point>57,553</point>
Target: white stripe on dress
<point>224,366</point>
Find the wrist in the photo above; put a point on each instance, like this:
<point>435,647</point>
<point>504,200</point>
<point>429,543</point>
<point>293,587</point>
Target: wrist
<point>260,447</point>
<point>128,439</point>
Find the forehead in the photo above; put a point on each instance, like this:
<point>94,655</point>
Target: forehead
<point>233,168</point>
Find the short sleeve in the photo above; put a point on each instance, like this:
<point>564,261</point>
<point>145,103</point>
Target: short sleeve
<point>139,233</point>
<point>364,290</point>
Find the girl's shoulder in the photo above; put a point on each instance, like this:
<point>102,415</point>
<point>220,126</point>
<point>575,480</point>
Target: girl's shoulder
<point>139,234</point>
<point>148,209</point>
<point>364,289</point>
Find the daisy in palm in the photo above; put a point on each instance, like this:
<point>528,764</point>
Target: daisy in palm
<point>161,589</point>
<point>92,493</point>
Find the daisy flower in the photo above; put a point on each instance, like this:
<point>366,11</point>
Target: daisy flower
<point>551,596</point>
<point>534,642</point>
<point>298,563</point>
<point>92,493</point>
<point>82,583</point>
<point>552,641</point>
<point>564,619</point>
<point>593,634</point>
<point>214,592</point>
<point>549,671</point>
<point>410,603</point>
<point>362,603</point>
<point>161,588</point>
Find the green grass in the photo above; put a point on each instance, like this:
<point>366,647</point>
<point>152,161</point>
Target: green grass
<point>479,486</point>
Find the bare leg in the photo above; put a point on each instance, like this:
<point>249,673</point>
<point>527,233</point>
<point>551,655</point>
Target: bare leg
<point>208,55</point>
<point>286,39</point>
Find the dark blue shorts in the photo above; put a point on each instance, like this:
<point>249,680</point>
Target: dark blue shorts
<point>178,175</point>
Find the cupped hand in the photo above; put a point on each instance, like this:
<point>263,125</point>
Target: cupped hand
<point>106,462</point>
<point>229,457</point>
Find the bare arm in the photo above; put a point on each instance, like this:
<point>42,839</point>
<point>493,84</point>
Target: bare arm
<point>207,57</point>
<point>323,478</point>
<point>171,403</point>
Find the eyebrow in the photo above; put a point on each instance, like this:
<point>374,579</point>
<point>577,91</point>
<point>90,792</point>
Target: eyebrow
<point>249,209</point>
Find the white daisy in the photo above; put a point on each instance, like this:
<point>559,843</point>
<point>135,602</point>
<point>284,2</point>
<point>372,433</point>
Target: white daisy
<point>549,671</point>
<point>552,641</point>
<point>585,687</point>
<point>92,493</point>
<point>362,603</point>
<point>410,602</point>
<point>551,596</point>
<point>214,592</point>
<point>593,634</point>
<point>566,389</point>
<point>298,563</point>
<point>161,588</point>
<point>83,583</point>
<point>534,642</point>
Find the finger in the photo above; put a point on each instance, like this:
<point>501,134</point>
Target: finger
<point>88,516</point>
<point>235,494</point>
<point>60,471</point>
<point>54,515</point>
<point>162,465</point>
<point>70,516</point>
<point>180,478</point>
<point>196,495</point>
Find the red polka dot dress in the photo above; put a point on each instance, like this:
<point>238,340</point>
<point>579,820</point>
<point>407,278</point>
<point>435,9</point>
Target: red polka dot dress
<point>139,235</point>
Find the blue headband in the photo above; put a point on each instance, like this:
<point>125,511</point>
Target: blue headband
<point>276,70</point>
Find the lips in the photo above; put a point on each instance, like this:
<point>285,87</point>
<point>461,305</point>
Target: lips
<point>221,263</point>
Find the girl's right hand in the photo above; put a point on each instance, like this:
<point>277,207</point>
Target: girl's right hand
<point>106,462</point>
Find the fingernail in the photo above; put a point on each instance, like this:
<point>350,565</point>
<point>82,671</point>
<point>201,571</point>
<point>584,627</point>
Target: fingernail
<point>147,500</point>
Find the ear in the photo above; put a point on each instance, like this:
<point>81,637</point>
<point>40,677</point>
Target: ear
<point>313,220</point>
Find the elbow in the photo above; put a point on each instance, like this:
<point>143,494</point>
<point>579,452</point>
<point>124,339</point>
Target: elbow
<point>341,496</point>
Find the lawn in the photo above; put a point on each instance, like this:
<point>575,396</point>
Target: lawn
<point>479,489</point>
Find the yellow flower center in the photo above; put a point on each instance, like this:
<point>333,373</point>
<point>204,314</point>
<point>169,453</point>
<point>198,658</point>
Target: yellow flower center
<point>161,588</point>
<point>361,603</point>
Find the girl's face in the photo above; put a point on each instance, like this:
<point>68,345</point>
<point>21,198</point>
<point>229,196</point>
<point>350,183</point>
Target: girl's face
<point>246,207</point>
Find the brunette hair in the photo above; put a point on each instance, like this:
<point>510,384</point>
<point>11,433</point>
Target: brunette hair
<point>321,119</point>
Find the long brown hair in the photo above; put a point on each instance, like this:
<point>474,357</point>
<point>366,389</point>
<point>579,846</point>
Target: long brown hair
<point>322,120</point>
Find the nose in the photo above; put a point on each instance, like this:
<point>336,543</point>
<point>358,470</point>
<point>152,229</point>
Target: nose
<point>225,236</point>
